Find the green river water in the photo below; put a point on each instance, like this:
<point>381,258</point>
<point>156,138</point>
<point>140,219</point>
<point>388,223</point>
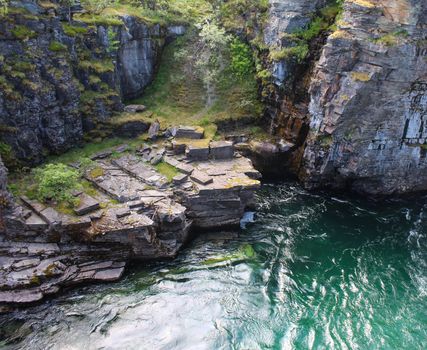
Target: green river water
<point>312,272</point>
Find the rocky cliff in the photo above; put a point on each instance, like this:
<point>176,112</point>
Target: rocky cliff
<point>59,78</point>
<point>367,101</point>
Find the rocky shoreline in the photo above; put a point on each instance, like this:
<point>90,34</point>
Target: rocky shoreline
<point>136,214</point>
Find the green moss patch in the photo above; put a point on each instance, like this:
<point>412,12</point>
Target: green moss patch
<point>22,32</point>
<point>56,46</point>
<point>167,170</point>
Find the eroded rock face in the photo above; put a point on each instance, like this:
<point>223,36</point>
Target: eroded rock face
<point>70,77</point>
<point>140,47</point>
<point>287,16</point>
<point>368,103</point>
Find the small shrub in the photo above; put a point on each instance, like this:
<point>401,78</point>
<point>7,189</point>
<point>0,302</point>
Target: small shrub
<point>55,182</point>
<point>298,52</point>
<point>56,46</point>
<point>241,58</point>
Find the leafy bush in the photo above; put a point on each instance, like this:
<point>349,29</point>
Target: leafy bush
<point>55,182</point>
<point>242,62</point>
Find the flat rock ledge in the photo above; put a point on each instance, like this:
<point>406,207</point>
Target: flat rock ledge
<point>136,213</point>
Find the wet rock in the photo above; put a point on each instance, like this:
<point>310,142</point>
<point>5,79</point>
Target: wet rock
<point>150,223</point>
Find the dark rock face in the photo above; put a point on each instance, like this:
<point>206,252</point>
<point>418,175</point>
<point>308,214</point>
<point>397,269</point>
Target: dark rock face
<point>287,16</point>
<point>138,55</point>
<point>357,114</point>
<point>69,77</point>
<point>368,104</point>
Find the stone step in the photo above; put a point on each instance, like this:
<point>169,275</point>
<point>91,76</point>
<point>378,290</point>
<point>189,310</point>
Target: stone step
<point>221,149</point>
<point>87,205</point>
<point>188,132</point>
<point>197,153</point>
<point>201,178</point>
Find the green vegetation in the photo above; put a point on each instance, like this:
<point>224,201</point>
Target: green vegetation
<point>55,182</point>
<point>56,46</point>
<point>242,63</point>
<point>96,172</point>
<point>299,40</point>
<point>98,66</point>
<point>113,43</point>
<point>245,252</point>
<point>7,155</point>
<point>236,15</point>
<point>72,30</point>
<point>167,170</point>
<point>203,88</point>
<point>392,39</point>
<point>22,32</point>
<point>298,52</point>
<point>4,6</point>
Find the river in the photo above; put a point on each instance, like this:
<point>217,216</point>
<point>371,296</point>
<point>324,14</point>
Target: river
<point>313,271</point>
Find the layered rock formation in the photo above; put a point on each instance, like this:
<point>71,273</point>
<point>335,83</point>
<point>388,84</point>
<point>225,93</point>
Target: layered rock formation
<point>70,76</point>
<point>369,101</point>
<point>135,213</point>
<point>361,123</point>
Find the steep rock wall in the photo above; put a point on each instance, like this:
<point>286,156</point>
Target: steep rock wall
<point>59,79</point>
<point>368,103</point>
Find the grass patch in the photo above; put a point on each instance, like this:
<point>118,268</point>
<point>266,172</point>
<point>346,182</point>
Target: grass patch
<point>392,39</point>
<point>56,46</point>
<point>177,95</point>
<point>72,30</point>
<point>166,170</point>
<point>22,32</point>
<point>98,66</point>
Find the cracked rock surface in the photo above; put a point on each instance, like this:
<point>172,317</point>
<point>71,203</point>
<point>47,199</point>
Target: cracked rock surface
<point>136,213</point>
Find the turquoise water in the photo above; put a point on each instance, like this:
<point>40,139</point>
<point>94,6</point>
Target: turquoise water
<point>312,272</point>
